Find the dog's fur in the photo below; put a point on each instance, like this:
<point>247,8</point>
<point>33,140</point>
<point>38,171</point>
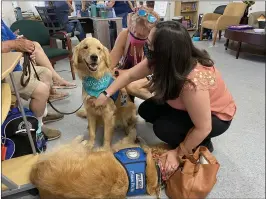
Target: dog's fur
<point>73,171</point>
<point>111,112</point>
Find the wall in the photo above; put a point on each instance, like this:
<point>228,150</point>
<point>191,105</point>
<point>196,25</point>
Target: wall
<point>8,14</point>
<point>30,5</point>
<point>209,6</point>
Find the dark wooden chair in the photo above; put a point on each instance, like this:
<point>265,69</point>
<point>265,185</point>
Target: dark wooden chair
<point>53,22</point>
<point>36,31</point>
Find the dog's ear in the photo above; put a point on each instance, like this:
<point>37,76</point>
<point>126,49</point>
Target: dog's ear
<point>107,57</point>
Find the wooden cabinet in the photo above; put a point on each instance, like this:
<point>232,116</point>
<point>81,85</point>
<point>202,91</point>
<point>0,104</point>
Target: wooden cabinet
<point>189,10</point>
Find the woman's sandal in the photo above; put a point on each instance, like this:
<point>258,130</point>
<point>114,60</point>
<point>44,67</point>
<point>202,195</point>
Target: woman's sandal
<point>56,96</point>
<point>57,85</point>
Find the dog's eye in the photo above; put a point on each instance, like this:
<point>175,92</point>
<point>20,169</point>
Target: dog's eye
<point>99,48</point>
<point>85,47</point>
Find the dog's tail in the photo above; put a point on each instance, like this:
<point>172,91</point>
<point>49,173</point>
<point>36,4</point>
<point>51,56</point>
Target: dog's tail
<point>82,113</point>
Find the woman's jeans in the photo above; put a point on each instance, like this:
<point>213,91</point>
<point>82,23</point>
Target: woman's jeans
<point>124,20</point>
<point>76,24</point>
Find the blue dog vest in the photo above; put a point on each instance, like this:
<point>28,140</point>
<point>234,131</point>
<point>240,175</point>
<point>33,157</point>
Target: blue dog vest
<point>134,161</point>
<point>94,87</point>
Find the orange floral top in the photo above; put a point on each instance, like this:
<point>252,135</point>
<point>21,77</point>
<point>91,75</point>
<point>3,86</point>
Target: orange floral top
<point>209,78</point>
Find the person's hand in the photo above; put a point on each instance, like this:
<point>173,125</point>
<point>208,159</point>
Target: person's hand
<point>101,100</point>
<point>24,45</point>
<point>33,57</point>
<point>16,32</point>
<point>171,162</point>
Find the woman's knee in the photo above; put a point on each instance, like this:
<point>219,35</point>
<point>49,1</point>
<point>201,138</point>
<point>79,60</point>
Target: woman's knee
<point>132,88</point>
<point>46,76</point>
<point>144,111</point>
<point>41,92</point>
<point>37,46</point>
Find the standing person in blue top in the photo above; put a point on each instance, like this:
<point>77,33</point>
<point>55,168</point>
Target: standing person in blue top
<point>37,91</point>
<point>83,7</point>
<point>62,12</point>
<point>122,8</point>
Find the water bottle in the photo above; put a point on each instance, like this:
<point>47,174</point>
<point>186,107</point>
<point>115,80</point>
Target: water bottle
<point>93,10</point>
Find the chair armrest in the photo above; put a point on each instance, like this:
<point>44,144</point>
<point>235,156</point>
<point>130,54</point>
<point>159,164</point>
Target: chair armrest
<point>62,35</point>
<point>224,21</point>
<point>65,37</point>
<point>210,16</point>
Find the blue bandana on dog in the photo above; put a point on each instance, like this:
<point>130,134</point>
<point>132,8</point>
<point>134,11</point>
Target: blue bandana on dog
<point>94,87</point>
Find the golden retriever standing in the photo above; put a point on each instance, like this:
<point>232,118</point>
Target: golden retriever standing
<point>73,171</point>
<point>92,61</point>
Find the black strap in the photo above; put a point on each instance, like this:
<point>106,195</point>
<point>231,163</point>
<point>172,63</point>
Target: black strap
<point>27,66</point>
<point>26,71</point>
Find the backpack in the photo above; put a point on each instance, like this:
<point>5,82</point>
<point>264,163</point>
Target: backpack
<point>15,141</point>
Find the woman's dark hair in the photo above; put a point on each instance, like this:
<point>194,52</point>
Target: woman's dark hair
<point>175,57</point>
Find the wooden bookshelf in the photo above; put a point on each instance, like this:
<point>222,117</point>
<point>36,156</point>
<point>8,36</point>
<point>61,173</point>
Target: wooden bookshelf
<point>189,10</point>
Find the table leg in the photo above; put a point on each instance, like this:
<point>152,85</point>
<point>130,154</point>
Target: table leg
<point>226,44</point>
<point>23,114</point>
<point>9,183</point>
<point>238,50</point>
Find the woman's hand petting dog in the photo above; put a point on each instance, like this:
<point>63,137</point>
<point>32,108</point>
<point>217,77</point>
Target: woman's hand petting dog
<point>100,101</point>
<point>171,162</point>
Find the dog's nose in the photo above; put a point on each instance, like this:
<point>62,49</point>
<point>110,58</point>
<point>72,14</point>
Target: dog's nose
<point>94,58</point>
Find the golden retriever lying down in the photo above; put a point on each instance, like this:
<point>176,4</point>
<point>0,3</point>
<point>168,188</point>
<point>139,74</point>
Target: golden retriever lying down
<point>73,171</point>
<point>92,62</point>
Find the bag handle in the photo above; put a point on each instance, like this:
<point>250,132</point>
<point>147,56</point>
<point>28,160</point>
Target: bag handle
<point>207,154</point>
<point>188,155</point>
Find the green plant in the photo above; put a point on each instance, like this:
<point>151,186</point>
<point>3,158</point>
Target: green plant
<point>249,3</point>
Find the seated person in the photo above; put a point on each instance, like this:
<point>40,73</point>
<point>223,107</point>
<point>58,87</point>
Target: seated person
<point>122,8</point>
<point>62,11</point>
<point>129,46</point>
<point>37,91</point>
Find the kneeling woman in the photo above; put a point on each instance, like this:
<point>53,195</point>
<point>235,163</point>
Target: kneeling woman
<point>191,104</point>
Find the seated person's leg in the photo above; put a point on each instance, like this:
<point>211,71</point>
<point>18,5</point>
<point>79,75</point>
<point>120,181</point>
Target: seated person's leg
<point>138,89</point>
<point>75,23</point>
<point>38,92</point>
<point>42,60</point>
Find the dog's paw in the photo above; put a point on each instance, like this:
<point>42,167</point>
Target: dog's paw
<point>82,113</point>
<point>90,145</point>
<point>84,142</point>
<point>78,139</point>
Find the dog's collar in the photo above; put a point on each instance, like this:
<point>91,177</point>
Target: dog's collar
<point>161,184</point>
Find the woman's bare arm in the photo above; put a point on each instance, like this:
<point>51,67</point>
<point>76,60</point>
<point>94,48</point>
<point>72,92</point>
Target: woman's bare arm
<point>8,46</point>
<point>137,72</point>
<point>197,103</point>
<point>118,49</point>
<point>69,2</point>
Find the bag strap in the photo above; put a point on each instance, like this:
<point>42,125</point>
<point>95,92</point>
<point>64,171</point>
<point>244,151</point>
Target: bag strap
<point>207,154</point>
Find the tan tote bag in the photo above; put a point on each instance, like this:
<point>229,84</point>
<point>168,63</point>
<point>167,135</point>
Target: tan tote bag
<point>195,177</point>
